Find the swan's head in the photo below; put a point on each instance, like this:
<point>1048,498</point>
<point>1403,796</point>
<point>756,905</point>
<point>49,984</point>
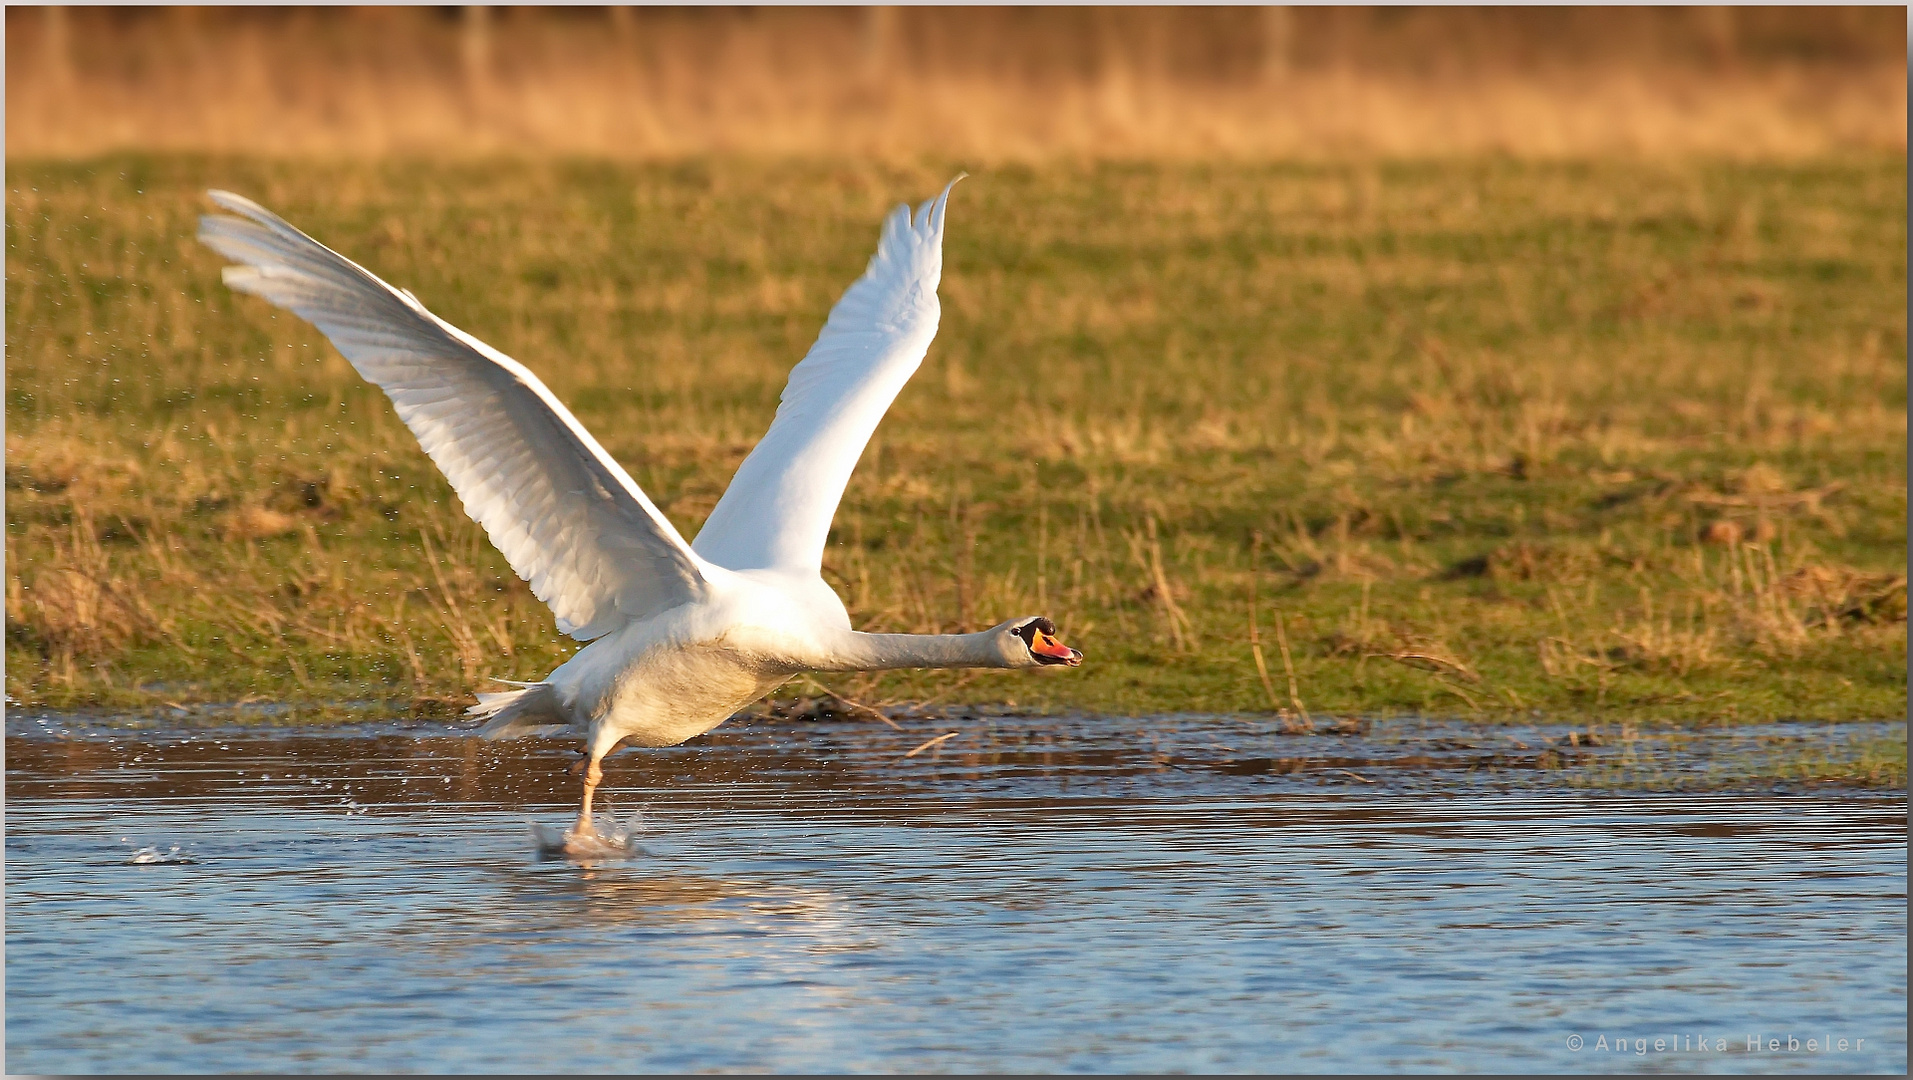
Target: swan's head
<point>1036,644</point>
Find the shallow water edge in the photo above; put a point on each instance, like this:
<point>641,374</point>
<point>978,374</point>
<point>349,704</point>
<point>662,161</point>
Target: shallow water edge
<point>1037,894</point>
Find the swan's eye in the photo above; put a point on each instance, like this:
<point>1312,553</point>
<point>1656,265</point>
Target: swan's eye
<point>1040,636</point>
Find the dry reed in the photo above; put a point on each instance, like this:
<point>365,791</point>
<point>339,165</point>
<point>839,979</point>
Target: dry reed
<point>976,84</point>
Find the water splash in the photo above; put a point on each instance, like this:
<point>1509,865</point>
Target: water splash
<point>153,856</point>
<point>610,838</point>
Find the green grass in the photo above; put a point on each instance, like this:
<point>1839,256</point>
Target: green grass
<point>1458,427</point>
<point>1697,759</point>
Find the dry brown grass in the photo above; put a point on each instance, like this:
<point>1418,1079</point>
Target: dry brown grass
<point>1750,604</point>
<point>982,85</point>
<point>79,607</point>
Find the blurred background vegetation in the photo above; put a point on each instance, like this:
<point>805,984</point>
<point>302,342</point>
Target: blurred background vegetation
<point>1314,361</point>
<point>981,84</point>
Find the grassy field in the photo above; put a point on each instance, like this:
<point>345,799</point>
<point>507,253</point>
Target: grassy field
<point>1480,437</point>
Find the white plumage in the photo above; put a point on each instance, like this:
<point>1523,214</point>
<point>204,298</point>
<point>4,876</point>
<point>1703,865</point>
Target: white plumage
<point>566,516</point>
<point>776,513</point>
<point>682,635</point>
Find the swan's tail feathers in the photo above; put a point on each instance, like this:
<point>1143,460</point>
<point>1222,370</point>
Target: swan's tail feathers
<point>532,709</point>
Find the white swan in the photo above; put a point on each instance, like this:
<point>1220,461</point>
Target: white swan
<point>682,635</point>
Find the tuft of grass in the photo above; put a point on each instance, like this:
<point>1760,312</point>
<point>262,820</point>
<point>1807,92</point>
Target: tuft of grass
<point>1696,760</point>
<point>1605,438</point>
<point>1874,763</point>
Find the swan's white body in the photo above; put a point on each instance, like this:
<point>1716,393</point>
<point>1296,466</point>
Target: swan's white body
<point>677,675</point>
<point>682,635</point>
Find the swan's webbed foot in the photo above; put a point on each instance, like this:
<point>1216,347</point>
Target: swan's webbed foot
<point>584,841</point>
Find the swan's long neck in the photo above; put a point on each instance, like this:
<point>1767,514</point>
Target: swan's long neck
<point>849,650</point>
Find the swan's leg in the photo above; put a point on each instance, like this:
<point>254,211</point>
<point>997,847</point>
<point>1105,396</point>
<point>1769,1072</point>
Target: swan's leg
<point>593,774</point>
<point>601,744</point>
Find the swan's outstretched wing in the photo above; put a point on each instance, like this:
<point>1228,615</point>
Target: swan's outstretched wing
<point>570,521</point>
<point>776,513</point>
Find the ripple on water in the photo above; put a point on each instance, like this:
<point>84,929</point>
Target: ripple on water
<point>1056,895</point>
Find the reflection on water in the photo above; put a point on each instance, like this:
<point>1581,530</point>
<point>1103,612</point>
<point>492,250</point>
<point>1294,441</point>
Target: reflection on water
<point>1034,895</point>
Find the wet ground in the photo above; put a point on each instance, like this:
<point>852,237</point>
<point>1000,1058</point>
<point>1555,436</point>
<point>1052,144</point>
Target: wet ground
<point>1033,894</point>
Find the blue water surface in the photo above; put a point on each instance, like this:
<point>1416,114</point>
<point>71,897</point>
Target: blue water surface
<point>1065,895</point>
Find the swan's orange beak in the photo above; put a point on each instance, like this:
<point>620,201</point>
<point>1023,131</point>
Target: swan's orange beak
<point>1048,650</point>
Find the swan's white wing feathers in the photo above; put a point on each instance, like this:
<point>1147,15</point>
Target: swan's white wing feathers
<point>567,517</point>
<point>776,513</point>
